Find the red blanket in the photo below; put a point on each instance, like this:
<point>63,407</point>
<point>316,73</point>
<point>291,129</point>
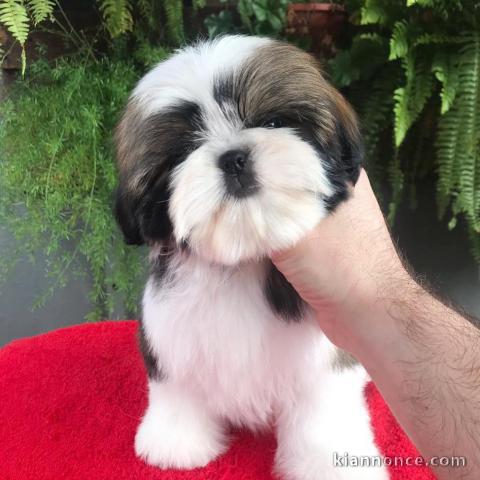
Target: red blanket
<point>70,402</point>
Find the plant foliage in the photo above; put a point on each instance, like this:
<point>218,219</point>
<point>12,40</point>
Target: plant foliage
<point>57,188</point>
<point>256,17</point>
<point>57,184</point>
<point>117,15</point>
<point>143,19</point>
<point>121,16</point>
<point>17,15</point>
<point>412,71</point>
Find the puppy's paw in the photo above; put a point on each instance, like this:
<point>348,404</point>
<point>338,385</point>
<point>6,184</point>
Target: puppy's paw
<point>176,443</point>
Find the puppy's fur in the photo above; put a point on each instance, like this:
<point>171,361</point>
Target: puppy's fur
<point>230,150</point>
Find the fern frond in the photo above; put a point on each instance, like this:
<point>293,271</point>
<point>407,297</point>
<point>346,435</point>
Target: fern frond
<point>373,12</point>
<point>469,105</point>
<point>458,140</point>
<point>399,40</point>
<point>146,9</point>
<point>410,100</point>
<point>445,69</point>
<point>372,37</point>
<point>447,146</point>
<point>422,3</point>
<point>40,9</point>
<point>117,15</point>
<point>174,14</point>
<point>376,118</point>
<point>436,39</point>
<point>13,15</point>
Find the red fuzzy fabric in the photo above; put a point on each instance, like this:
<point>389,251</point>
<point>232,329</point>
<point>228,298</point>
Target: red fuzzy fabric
<point>70,402</point>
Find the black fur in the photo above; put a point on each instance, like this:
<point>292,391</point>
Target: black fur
<point>161,142</point>
<point>343,168</point>
<point>282,297</point>
<point>154,372</point>
<point>158,272</point>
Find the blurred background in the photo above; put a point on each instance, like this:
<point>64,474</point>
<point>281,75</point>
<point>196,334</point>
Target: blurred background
<point>411,68</point>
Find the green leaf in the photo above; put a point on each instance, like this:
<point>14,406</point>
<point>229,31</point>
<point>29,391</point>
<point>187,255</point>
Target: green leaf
<point>446,72</point>
<point>174,13</point>
<point>13,15</point>
<point>40,9</point>
<point>410,100</point>
<point>399,41</point>
<point>117,15</point>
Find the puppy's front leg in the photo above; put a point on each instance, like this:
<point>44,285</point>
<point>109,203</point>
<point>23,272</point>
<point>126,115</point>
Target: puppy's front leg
<point>320,428</point>
<point>177,431</point>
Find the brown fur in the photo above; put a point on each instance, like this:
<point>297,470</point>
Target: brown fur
<point>145,144</point>
<point>283,78</point>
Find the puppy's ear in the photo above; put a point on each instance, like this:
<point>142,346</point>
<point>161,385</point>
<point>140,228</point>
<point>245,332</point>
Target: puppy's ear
<point>344,150</point>
<point>144,220</point>
<point>126,213</point>
<point>155,224</point>
<point>349,145</point>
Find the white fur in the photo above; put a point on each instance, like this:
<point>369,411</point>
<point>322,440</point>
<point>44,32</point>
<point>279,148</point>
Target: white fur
<point>188,75</point>
<point>291,175</point>
<point>227,358</point>
<point>228,230</point>
<point>176,430</point>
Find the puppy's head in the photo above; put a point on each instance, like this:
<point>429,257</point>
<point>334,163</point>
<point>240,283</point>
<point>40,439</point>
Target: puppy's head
<point>234,148</point>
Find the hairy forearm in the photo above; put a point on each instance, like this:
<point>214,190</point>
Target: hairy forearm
<point>425,360</point>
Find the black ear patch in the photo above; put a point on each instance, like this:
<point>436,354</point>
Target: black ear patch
<point>155,223</point>
<point>146,219</point>
<point>148,150</point>
<point>126,216</point>
<point>351,152</point>
<point>282,297</point>
<point>345,160</point>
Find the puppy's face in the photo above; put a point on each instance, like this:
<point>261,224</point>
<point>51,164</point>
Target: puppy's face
<point>233,148</point>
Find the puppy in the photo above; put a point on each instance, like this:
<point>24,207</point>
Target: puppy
<point>228,151</point>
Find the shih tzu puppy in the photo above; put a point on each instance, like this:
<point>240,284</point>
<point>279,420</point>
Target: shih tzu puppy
<point>227,151</point>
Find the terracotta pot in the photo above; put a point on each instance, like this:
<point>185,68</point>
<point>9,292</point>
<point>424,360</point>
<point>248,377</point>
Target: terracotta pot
<point>322,23</point>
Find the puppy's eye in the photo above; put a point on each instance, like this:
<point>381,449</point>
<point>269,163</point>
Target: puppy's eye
<point>275,122</point>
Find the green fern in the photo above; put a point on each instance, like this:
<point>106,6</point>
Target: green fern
<point>40,10</point>
<point>117,15</point>
<point>174,24</point>
<point>458,141</point>
<point>410,99</point>
<point>446,72</point>
<point>13,14</point>
<point>399,40</point>
<point>146,9</point>
<point>373,12</point>
<point>433,101</point>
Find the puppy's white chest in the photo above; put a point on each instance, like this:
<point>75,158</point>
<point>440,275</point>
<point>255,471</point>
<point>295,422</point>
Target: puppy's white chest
<point>211,328</point>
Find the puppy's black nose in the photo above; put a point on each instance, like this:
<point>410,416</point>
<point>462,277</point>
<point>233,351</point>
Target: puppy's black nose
<point>233,162</point>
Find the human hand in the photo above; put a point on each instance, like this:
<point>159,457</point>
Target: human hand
<point>346,267</point>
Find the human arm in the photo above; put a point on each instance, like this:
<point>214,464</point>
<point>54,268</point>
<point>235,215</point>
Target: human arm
<point>423,356</point>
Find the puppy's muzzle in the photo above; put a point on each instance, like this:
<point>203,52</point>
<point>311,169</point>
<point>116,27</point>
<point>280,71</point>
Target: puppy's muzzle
<point>237,167</point>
